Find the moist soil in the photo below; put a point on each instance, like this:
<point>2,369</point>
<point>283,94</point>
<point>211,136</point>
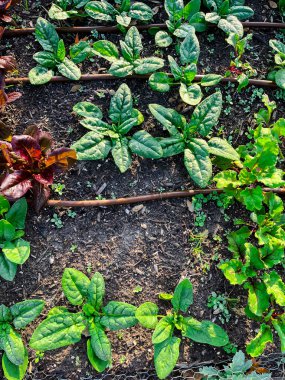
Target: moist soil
<point>150,246</point>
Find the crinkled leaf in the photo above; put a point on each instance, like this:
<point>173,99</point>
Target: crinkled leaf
<point>183,296</point>
<point>144,145</point>
<point>107,50</point>
<point>96,291</point>
<point>25,312</point>
<point>100,343</point>
<point>17,251</point>
<point>75,285</point>
<point>12,371</point>
<point>191,95</point>
<point>121,154</point>
<point>119,315</point>
<point>190,48</point>
<point>146,314</point>
<point>166,355</point>
<point>40,75</point>
<point>98,364</point>
<point>163,330</point>
<point>92,147</point>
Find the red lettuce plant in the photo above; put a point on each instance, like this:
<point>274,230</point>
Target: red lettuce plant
<point>28,164</point>
<point>7,63</point>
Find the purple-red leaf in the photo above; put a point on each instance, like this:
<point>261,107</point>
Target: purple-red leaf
<point>15,185</point>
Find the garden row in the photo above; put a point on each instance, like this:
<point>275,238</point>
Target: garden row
<point>29,164</point>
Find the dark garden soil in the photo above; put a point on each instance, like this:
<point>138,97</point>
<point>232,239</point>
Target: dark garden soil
<point>147,245</point>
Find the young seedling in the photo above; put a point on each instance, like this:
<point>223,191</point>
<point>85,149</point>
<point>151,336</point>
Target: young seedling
<point>63,328</point>
<point>189,137</point>
<point>278,73</point>
<point>130,62</point>
<point>227,14</point>
<point>16,317</point>
<point>166,343</point>
<point>14,250</point>
<point>123,14</point>
<point>53,57</point>
<point>7,63</point>
<point>180,19</point>
<point>242,70</point>
<point>113,137</point>
<point>30,163</point>
<point>185,73</point>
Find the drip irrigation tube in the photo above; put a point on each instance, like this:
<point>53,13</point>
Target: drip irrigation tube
<point>114,29</point>
<point>144,198</point>
<point>93,77</point>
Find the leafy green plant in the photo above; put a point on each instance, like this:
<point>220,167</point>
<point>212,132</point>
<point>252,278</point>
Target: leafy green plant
<point>104,138</point>
<point>166,343</point>
<point>16,317</point>
<point>64,9</point>
<point>189,137</point>
<point>7,64</point>
<point>130,62</point>
<point>271,322</point>
<point>258,164</point>
<point>14,250</point>
<point>62,327</point>
<point>239,368</point>
<point>180,20</point>
<point>123,14</point>
<point>243,70</point>
<point>227,14</point>
<point>278,72</point>
<point>281,6</point>
<point>53,57</point>
<point>28,164</point>
<point>184,74</point>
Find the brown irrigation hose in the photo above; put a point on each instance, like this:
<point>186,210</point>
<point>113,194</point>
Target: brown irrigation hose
<point>143,198</point>
<point>93,77</point>
<point>114,29</point>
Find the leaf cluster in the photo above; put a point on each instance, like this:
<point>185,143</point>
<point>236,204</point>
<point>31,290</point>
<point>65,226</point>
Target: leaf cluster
<point>123,13</point>
<point>62,327</point>
<point>28,163</point>
<point>18,316</point>
<point>184,73</point>
<point>53,57</point>
<point>189,137</point>
<point>105,137</point>
<point>130,62</point>
<point>14,250</point>
<point>278,72</point>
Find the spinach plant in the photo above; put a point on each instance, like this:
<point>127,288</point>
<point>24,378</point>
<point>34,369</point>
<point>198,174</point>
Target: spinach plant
<point>7,64</point>
<point>105,137</point>
<point>227,14</point>
<point>64,9</point>
<point>14,250</point>
<point>130,62</point>
<point>184,74</point>
<point>189,137</point>
<point>53,57</point>
<point>63,328</point>
<point>166,343</point>
<point>16,317</point>
<point>281,6</point>
<point>278,72</point>
<point>239,368</point>
<point>180,19</point>
<point>123,14</point>
<point>242,70</point>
